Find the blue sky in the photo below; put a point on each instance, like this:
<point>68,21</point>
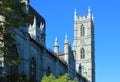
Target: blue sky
<point>59,22</point>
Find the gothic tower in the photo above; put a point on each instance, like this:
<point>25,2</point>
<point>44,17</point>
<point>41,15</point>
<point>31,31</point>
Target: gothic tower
<point>83,45</point>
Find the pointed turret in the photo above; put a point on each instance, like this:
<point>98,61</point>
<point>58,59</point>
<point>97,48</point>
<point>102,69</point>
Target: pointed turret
<point>34,22</point>
<point>29,29</point>
<point>56,46</point>
<point>42,27</point>
<point>32,29</point>
<point>89,12</point>
<point>75,15</point>
<point>66,49</point>
<point>66,40</point>
<point>75,22</point>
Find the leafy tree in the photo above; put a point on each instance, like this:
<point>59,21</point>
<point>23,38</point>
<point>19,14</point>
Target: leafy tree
<point>63,78</point>
<point>13,15</point>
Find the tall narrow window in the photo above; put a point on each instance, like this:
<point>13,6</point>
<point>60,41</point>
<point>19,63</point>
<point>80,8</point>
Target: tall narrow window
<point>33,68</point>
<point>82,30</point>
<point>13,57</point>
<point>48,71</point>
<point>82,51</point>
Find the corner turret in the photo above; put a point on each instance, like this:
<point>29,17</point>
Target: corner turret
<point>89,13</point>
<point>75,15</point>
<point>34,22</point>
<point>66,49</point>
<point>56,46</point>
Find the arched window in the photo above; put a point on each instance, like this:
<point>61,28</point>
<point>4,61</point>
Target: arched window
<point>82,53</point>
<point>33,68</point>
<point>11,59</point>
<point>48,71</point>
<point>82,29</point>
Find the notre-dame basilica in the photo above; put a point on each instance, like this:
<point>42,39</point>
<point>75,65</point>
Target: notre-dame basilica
<point>37,60</point>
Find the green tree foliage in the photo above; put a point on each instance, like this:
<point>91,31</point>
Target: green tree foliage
<point>14,14</point>
<point>63,78</point>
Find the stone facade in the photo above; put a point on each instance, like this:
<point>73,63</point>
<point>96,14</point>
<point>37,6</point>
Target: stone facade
<point>38,61</point>
<point>83,45</point>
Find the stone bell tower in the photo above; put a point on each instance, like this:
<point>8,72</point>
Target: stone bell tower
<point>83,45</point>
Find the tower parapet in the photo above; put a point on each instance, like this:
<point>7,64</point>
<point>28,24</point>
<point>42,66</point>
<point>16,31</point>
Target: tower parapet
<point>83,18</point>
